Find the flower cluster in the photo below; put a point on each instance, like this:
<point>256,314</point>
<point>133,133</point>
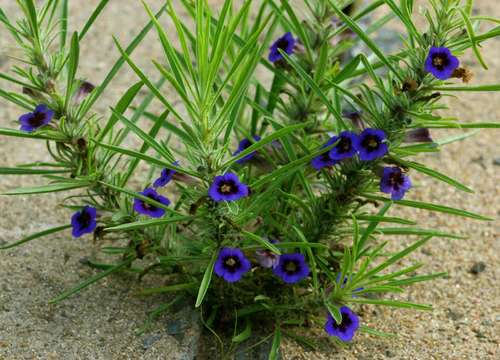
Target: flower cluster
<point>370,144</point>
<point>324,259</point>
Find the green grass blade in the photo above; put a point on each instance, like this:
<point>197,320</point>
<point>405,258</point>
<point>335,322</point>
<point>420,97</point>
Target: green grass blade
<point>46,188</point>
<point>92,280</point>
<point>205,282</point>
<point>431,207</point>
<point>36,236</point>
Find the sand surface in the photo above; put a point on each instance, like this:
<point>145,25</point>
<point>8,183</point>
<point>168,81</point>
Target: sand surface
<point>99,322</point>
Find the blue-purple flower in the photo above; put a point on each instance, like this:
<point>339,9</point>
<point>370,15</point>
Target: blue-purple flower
<point>441,63</point>
<point>292,268</point>
<point>243,145</point>
<point>345,147</point>
<point>347,328</point>
<point>286,43</point>
<point>165,177</point>
<point>394,182</point>
<point>145,208</point>
<point>371,144</point>
<point>32,121</point>
<point>83,221</point>
<point>419,135</point>
<point>324,160</point>
<point>227,187</point>
<point>83,91</point>
<point>266,258</point>
<point>231,264</point>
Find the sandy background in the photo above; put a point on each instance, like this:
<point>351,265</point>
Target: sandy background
<point>99,323</point>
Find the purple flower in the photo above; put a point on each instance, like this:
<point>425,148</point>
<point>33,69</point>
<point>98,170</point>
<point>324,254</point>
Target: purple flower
<point>394,182</point>
<point>142,207</point>
<point>420,135</point>
<point>344,148</point>
<point>243,145</point>
<point>83,91</point>
<point>347,328</point>
<point>292,268</point>
<point>286,43</point>
<point>371,144</point>
<point>165,177</point>
<point>84,221</point>
<point>355,117</point>
<point>231,264</point>
<point>324,160</point>
<point>227,188</point>
<point>266,258</point>
<point>441,63</point>
<point>32,121</point>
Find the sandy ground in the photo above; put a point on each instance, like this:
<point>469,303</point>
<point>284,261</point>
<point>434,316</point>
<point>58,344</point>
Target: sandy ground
<point>99,323</point>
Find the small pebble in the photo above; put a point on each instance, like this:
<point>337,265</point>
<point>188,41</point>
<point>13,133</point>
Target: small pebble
<point>496,161</point>
<point>454,315</point>
<point>174,327</point>
<point>149,340</point>
<point>477,268</point>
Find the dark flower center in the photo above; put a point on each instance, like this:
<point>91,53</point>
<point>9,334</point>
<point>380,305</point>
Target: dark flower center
<point>84,219</point>
<point>344,145</point>
<point>282,44</point>
<point>396,179</point>
<point>344,325</point>
<point>228,188</point>
<point>168,173</point>
<point>245,144</point>
<point>232,263</point>
<point>291,267</point>
<point>440,61</point>
<point>371,142</point>
<point>325,157</point>
<point>37,119</point>
<point>148,206</point>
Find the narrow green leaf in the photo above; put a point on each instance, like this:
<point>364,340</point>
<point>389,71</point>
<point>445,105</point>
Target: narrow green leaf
<point>244,335</point>
<point>207,278</point>
<point>393,259</point>
<point>118,65</point>
<point>93,17</point>
<point>430,207</point>
<point>120,108</point>
<point>416,231</point>
<point>275,347</point>
<point>470,32</point>
<point>63,24</point>
<point>148,223</point>
<point>392,303</point>
<point>369,42</point>
<point>36,236</point>
<point>435,174</point>
<point>265,243</point>
<point>368,330</point>
<point>74,57</point>
<point>334,311</point>
<point>307,78</point>
<point>151,160</point>
<point>40,134</point>
<point>46,188</point>
<point>27,171</point>
<point>91,280</point>
<point>258,145</point>
<point>168,289</point>
<point>492,87</point>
